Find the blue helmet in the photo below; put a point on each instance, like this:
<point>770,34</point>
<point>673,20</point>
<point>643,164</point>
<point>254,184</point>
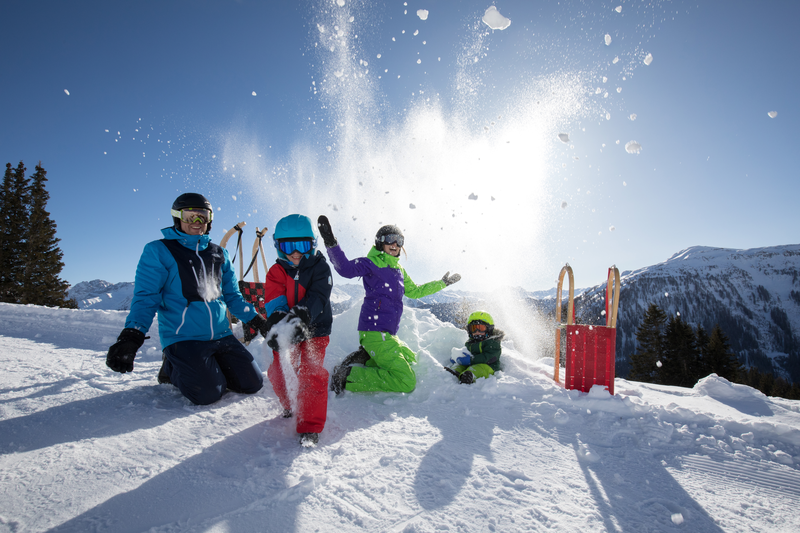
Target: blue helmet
<point>294,228</point>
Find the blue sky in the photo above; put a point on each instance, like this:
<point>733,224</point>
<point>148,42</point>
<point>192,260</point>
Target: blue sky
<point>442,126</point>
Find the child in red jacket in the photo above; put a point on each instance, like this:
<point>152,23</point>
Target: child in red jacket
<point>298,307</point>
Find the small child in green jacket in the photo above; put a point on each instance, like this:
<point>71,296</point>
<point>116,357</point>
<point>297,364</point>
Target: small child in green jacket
<point>481,358</point>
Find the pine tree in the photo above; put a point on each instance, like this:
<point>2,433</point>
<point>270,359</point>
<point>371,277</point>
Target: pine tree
<point>13,221</point>
<point>650,341</point>
<point>41,284</point>
<point>720,359</point>
<point>681,365</point>
<point>701,343</point>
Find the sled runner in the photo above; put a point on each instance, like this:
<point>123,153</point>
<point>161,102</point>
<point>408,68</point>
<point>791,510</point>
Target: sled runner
<point>253,291</point>
<point>590,353</point>
<point>223,243</point>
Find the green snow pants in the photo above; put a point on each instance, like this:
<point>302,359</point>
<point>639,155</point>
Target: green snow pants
<point>389,367</point>
<point>479,370</point>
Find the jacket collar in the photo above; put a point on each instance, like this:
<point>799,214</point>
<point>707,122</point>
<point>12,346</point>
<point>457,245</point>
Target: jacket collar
<point>193,242</point>
<point>382,259</point>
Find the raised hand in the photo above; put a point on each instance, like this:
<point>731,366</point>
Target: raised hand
<point>326,232</point>
<point>449,280</point>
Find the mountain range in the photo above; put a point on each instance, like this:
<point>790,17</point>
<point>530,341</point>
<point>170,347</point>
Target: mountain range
<point>754,295</point>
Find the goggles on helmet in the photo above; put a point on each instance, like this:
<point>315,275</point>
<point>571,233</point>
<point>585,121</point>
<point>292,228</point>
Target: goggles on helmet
<point>194,215</point>
<point>477,328</point>
<point>288,246</point>
<point>392,238</point>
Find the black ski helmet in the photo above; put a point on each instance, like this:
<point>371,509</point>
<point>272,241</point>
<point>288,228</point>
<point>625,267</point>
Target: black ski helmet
<point>188,200</point>
<point>390,229</point>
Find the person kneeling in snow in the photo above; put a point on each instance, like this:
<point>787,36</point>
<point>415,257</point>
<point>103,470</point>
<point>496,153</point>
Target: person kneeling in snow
<point>299,317</point>
<point>481,358</point>
<point>189,282</point>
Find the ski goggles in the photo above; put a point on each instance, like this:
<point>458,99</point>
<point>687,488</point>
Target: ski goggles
<point>392,238</point>
<point>194,215</point>
<point>289,246</point>
<point>477,328</point>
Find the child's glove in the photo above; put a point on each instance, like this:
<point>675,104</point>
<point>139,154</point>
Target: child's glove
<point>449,280</point>
<point>325,230</point>
<point>465,359</point>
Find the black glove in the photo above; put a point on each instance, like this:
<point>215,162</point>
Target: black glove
<point>301,313</point>
<point>272,339</point>
<point>300,332</point>
<point>325,230</point>
<point>121,353</point>
<point>449,280</point>
<point>257,325</point>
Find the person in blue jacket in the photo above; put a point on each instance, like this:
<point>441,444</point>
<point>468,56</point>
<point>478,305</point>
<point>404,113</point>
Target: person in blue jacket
<point>190,283</point>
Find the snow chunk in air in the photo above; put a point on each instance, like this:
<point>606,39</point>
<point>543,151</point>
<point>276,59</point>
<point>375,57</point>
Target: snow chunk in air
<point>772,114</point>
<point>632,147</point>
<point>494,19</point>
<point>608,39</point>
<point>648,59</point>
<point>422,14</point>
<point>564,137</point>
<point>618,9</point>
<point>473,196</point>
<point>67,93</point>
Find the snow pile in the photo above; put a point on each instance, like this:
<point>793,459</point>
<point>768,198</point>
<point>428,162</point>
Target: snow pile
<point>82,448</point>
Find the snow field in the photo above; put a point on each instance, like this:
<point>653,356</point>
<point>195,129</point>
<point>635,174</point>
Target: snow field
<point>82,448</point>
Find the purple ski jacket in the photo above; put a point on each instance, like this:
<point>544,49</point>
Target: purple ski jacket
<point>385,283</point>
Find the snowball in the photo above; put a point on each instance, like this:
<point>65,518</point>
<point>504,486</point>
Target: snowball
<point>608,39</point>
<point>618,9</point>
<point>254,93</point>
<point>772,114</point>
<point>632,147</point>
<point>658,364</point>
<point>633,116</point>
<point>67,93</point>
<point>412,206</point>
<point>494,19</point>
<point>340,3</point>
<point>616,60</point>
<point>611,228</point>
<point>563,205</point>
<point>677,519</point>
<point>473,196</point>
<point>564,137</point>
<point>422,14</point>
<point>648,59</point>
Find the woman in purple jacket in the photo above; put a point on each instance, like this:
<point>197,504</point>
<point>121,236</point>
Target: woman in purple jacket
<point>387,360</point>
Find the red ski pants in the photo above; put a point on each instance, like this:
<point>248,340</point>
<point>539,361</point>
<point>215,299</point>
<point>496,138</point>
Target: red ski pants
<point>311,406</point>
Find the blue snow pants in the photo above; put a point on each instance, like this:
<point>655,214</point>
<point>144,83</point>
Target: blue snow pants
<point>203,370</point>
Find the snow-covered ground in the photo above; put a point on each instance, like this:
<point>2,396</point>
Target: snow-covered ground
<point>85,449</point>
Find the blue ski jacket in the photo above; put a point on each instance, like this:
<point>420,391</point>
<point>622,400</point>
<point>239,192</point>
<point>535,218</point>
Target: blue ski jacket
<point>190,283</point>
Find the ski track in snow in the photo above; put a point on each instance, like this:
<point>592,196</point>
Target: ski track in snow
<point>85,449</point>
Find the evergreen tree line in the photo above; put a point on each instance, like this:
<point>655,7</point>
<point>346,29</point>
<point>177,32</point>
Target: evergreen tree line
<point>30,259</point>
<point>671,352</point>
